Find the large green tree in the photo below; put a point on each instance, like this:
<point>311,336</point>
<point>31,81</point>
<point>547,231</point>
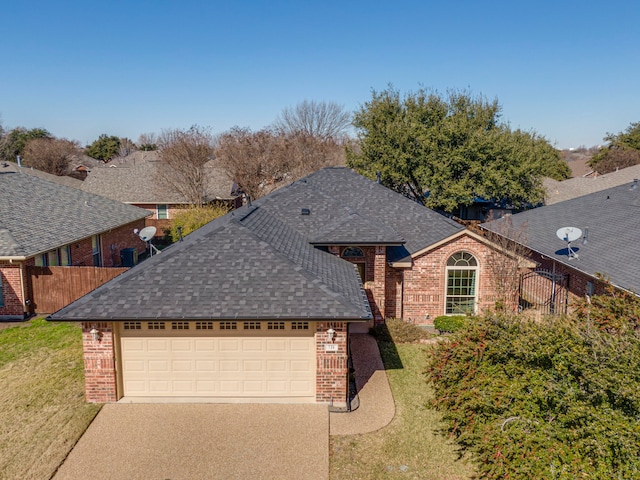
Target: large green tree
<point>104,148</point>
<point>453,146</point>
<point>622,150</point>
<point>13,142</point>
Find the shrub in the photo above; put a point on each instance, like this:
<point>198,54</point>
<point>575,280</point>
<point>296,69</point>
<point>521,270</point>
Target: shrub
<point>192,218</point>
<point>557,398</point>
<point>398,331</point>
<point>449,323</point>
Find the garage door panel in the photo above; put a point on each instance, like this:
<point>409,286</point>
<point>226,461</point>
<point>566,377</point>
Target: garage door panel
<point>231,367</point>
<point>205,366</point>
<point>205,345</point>
<point>157,345</point>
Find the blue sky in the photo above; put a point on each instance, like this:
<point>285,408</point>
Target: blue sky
<point>569,70</point>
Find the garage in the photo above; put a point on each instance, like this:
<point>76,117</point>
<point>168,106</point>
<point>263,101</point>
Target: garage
<point>230,360</point>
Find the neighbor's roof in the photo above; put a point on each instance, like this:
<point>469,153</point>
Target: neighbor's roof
<point>612,217</point>
<point>245,265</point>
<point>579,186</point>
<point>37,215</point>
<point>62,180</point>
<point>134,180</point>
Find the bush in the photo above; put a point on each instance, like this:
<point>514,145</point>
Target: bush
<point>557,398</point>
<point>191,219</point>
<point>398,331</point>
<point>449,323</point>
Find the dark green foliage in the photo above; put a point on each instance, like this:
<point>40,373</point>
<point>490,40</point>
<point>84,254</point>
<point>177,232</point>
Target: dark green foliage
<point>559,398</point>
<point>449,323</point>
<point>104,148</point>
<point>454,147</point>
<point>623,150</point>
<point>398,331</point>
<point>13,143</point>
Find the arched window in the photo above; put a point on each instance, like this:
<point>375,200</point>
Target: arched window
<point>352,252</point>
<point>462,274</point>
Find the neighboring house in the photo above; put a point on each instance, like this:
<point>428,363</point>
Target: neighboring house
<point>256,305</point>
<point>609,245</point>
<point>133,180</point>
<point>44,222</point>
<point>579,186</point>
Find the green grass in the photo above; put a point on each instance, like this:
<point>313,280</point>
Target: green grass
<point>409,447</point>
<point>42,407</point>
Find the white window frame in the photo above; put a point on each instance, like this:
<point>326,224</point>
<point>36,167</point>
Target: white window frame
<point>462,264</point>
<point>165,211</point>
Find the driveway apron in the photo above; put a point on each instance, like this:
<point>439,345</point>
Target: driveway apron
<point>202,441</point>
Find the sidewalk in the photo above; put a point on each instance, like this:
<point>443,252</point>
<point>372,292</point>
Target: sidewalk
<point>377,408</point>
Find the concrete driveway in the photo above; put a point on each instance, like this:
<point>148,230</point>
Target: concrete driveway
<point>202,441</point>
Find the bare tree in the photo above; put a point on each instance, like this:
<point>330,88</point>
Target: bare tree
<point>317,119</point>
<point>51,155</point>
<point>260,162</point>
<point>148,142</point>
<point>507,262</point>
<point>183,155</point>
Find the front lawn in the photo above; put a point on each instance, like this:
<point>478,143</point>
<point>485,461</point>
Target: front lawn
<point>42,407</point>
<point>409,447</point>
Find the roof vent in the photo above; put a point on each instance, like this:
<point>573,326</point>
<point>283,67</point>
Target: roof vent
<point>634,185</point>
<point>305,211</point>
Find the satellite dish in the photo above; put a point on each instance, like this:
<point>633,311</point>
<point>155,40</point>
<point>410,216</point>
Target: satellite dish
<point>147,233</point>
<point>566,234</point>
<point>569,234</point>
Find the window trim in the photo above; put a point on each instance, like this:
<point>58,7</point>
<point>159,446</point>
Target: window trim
<point>475,268</point>
<point>164,209</point>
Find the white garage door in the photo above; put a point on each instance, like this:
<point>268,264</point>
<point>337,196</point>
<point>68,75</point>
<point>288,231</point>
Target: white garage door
<point>261,360</point>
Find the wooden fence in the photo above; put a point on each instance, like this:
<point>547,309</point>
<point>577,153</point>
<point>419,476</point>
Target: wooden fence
<point>53,288</point>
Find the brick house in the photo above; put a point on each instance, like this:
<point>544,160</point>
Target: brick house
<point>133,180</point>
<point>608,248</point>
<point>256,305</point>
<point>44,222</point>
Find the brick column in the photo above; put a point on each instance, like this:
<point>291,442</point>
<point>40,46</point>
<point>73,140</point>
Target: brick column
<point>332,372</point>
<point>379,282</point>
<point>99,363</point>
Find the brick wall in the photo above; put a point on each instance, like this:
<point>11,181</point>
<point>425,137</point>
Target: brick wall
<point>111,243</point>
<point>424,283</point>
<point>577,281</point>
<point>332,372</point>
<point>99,363</point>
<point>12,295</point>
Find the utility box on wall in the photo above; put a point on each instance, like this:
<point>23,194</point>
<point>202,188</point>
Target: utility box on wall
<point>128,257</point>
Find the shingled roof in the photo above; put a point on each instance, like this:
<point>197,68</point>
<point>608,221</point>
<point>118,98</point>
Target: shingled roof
<point>245,265</point>
<point>38,215</point>
<point>134,180</point>
<point>579,186</point>
<point>365,210</point>
<point>260,261</point>
<point>612,217</point>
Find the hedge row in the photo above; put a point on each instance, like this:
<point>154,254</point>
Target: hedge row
<point>557,399</point>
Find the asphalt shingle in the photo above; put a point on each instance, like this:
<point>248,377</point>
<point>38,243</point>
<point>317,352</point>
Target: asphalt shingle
<point>612,217</point>
<point>38,215</point>
<point>259,261</point>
